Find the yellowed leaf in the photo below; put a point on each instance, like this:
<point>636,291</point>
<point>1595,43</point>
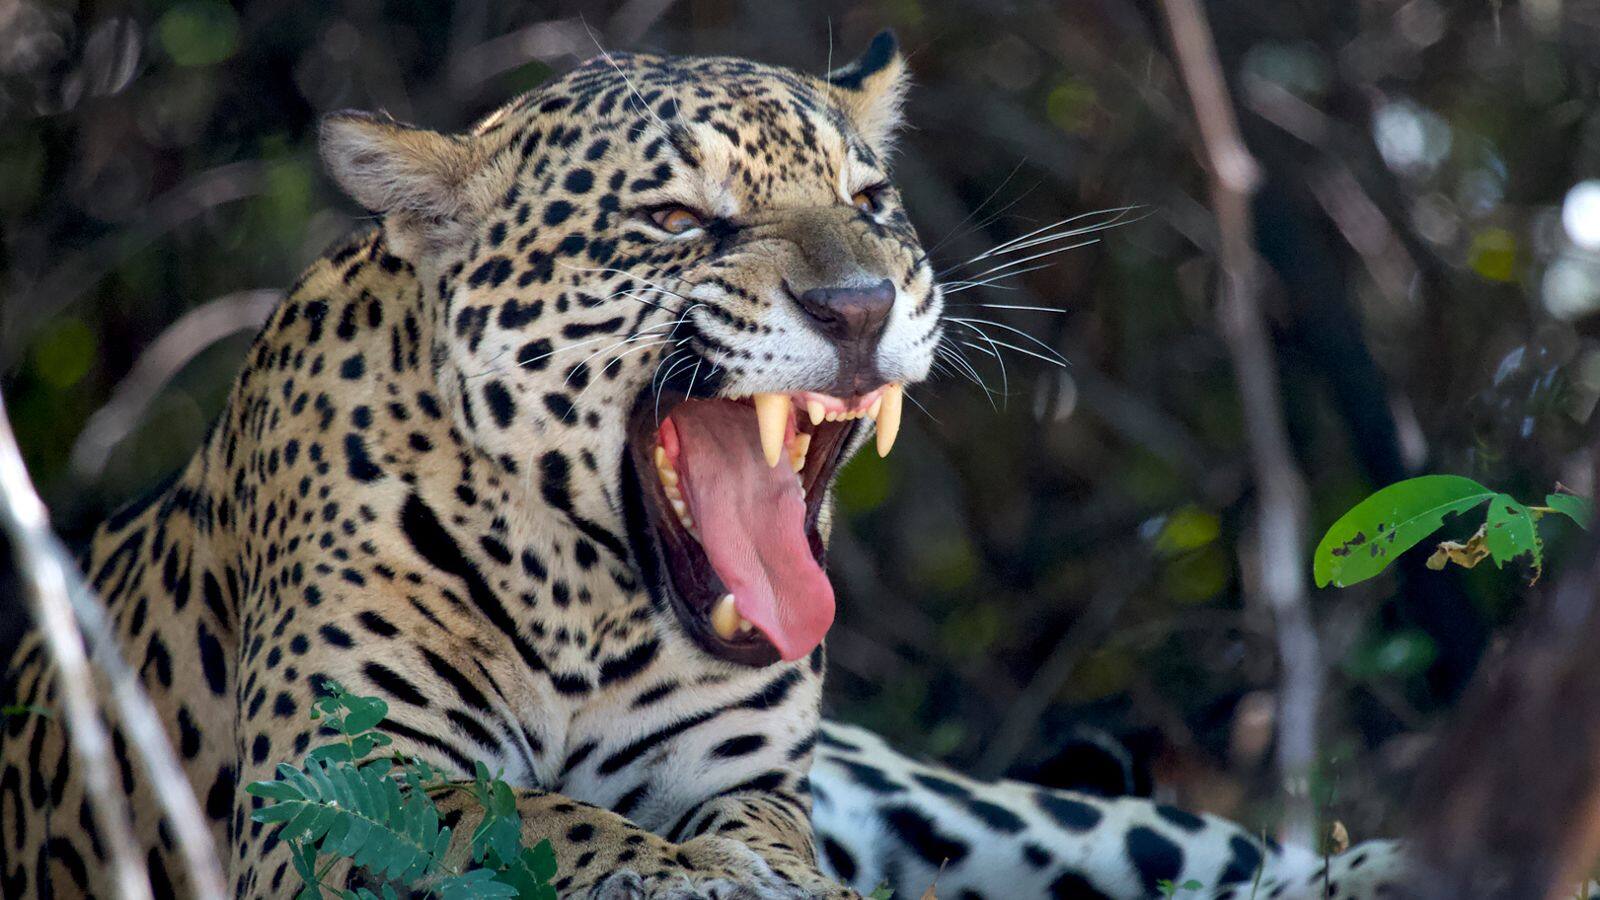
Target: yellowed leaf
<point>1466,555</point>
<point>1338,838</point>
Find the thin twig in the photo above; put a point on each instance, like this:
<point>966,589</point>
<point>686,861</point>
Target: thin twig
<point>1019,726</point>
<point>38,302</point>
<point>1281,519</point>
<point>61,603</point>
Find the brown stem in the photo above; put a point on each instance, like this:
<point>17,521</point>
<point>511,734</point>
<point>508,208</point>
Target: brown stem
<point>1279,579</point>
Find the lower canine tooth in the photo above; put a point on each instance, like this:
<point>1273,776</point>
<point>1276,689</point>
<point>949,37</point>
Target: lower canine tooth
<point>772,419</point>
<point>889,417</point>
<point>797,450</point>
<point>724,618</point>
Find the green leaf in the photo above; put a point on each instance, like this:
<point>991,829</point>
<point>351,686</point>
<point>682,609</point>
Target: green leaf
<point>365,714</point>
<point>1510,532</point>
<point>1366,539</point>
<point>477,884</point>
<point>1578,509</point>
<point>330,753</point>
<point>541,859</point>
<point>304,857</point>
<point>881,892</point>
<point>272,790</point>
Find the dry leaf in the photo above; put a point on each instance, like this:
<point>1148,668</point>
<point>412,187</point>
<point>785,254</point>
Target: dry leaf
<point>1338,839</point>
<point>1466,555</point>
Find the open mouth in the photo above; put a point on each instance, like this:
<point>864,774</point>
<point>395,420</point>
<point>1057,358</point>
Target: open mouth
<point>732,490</point>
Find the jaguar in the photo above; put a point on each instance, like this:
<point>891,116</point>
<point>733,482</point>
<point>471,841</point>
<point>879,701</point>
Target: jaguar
<point>544,460</point>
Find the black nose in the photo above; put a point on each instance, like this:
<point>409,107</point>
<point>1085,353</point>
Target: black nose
<point>849,314</point>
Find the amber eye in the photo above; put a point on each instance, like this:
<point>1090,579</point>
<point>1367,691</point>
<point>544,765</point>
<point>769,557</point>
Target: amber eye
<point>867,200</point>
<point>676,219</point>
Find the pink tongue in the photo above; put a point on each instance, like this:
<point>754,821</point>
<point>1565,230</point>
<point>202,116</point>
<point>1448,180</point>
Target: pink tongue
<point>751,518</point>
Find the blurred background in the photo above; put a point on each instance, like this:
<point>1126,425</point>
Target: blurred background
<point>1043,562</point>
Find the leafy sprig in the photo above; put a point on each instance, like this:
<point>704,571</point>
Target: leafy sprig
<point>1365,540</point>
<point>342,803</point>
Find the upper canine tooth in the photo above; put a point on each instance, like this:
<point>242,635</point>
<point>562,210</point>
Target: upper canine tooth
<point>815,411</point>
<point>772,418</point>
<point>889,417</point>
<point>724,618</point>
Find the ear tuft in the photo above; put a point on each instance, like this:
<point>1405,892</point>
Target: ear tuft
<point>415,176</point>
<point>872,90</point>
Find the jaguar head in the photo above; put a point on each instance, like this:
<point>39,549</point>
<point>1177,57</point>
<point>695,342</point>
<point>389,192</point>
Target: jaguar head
<point>689,277</point>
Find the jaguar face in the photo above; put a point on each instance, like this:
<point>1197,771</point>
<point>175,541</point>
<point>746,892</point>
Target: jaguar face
<point>695,277</point>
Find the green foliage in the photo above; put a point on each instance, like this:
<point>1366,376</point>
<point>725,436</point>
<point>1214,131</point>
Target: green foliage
<point>1168,889</point>
<point>199,32</point>
<point>379,813</point>
<point>1365,540</point>
<point>881,892</point>
<point>1578,509</point>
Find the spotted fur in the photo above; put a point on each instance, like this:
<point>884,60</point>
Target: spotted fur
<point>418,488</point>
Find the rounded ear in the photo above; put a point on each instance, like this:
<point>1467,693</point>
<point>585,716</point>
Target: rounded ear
<point>872,90</point>
<point>416,178</point>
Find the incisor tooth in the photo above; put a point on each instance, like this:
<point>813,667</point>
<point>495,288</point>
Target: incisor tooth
<point>661,457</point>
<point>772,418</point>
<point>877,404</point>
<point>889,417</point>
<point>745,627</point>
<point>724,618</point>
<point>815,411</point>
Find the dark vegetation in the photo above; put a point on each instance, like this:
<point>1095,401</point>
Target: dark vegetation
<point>1060,552</point>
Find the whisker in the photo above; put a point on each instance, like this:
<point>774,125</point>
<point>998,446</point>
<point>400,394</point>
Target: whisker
<point>1001,267</point>
<point>617,360</point>
<point>1022,350</point>
<point>959,286</point>
<point>675,368</point>
<point>970,323</point>
<point>958,230</point>
<point>625,79</point>
<point>1118,217</point>
<point>965,368</point>
<point>924,409</point>
<point>1043,309</point>
<point>1005,379</point>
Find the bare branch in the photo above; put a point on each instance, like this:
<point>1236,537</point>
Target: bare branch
<point>61,602</point>
<point>1019,725</point>
<point>183,340</point>
<point>1281,518</point>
